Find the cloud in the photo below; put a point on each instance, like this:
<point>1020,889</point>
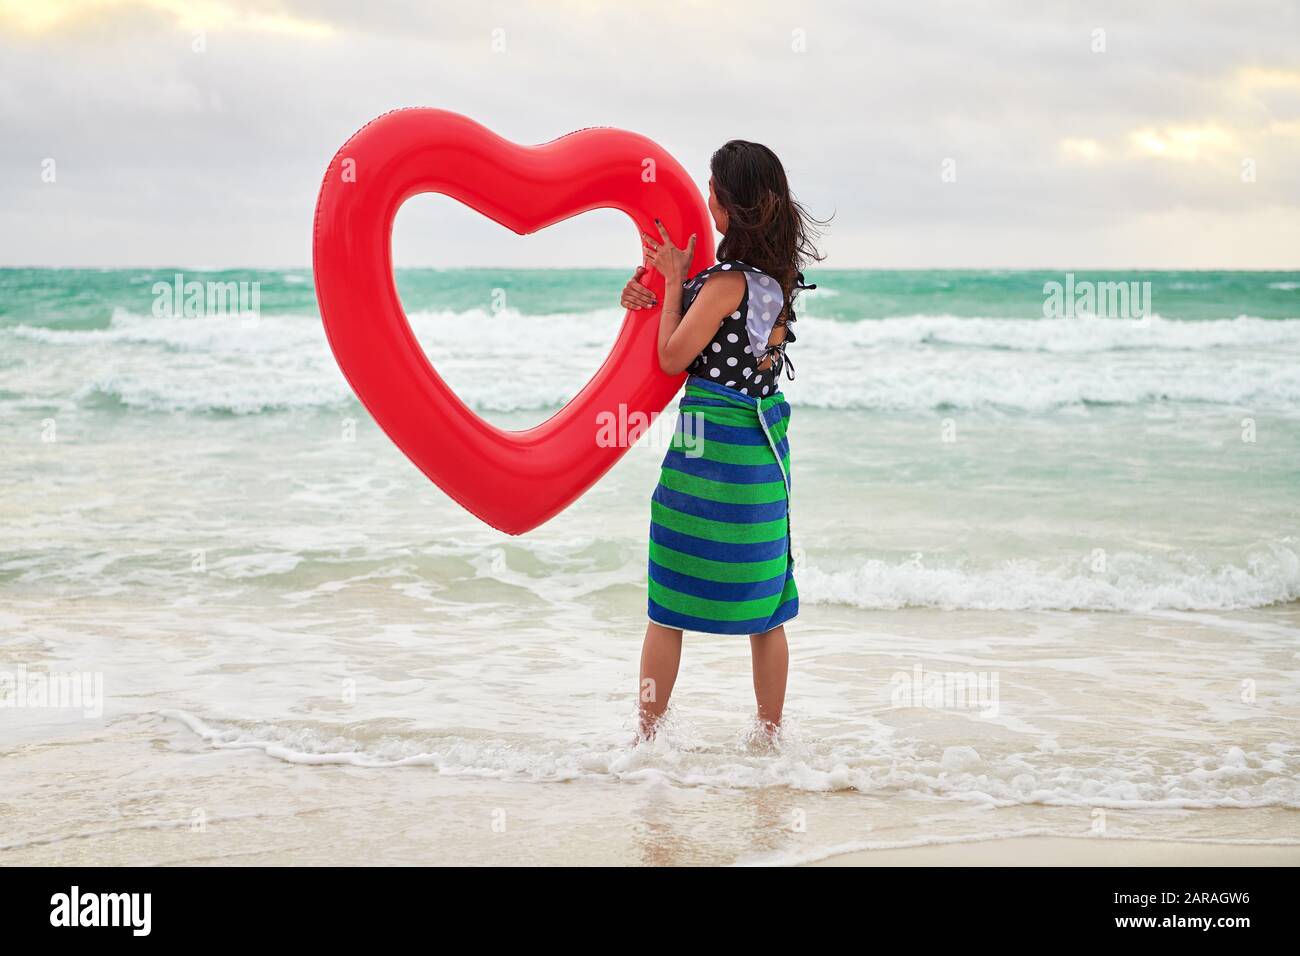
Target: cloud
<point>171,155</point>
<point>55,16</point>
<point>1082,149</point>
<point>1186,143</point>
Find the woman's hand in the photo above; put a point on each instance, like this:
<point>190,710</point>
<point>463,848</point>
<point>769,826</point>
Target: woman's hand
<point>635,295</point>
<point>671,262</point>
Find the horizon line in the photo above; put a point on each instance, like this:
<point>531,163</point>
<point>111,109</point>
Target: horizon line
<point>590,268</point>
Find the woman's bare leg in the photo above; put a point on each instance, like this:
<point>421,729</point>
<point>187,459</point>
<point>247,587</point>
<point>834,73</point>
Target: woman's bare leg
<point>660,655</point>
<point>771,657</point>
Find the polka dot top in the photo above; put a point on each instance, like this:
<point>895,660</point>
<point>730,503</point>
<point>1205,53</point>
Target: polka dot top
<point>740,345</point>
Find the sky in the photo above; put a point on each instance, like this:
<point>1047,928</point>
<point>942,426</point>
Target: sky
<point>936,135</point>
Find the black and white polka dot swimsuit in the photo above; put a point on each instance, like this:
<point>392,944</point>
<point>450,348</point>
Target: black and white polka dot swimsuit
<point>733,357</point>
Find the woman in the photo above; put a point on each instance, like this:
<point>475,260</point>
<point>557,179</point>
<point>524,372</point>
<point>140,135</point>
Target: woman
<point>720,535</point>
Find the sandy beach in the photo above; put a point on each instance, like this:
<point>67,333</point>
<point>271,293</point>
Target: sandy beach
<point>416,769</point>
<point>1060,851</point>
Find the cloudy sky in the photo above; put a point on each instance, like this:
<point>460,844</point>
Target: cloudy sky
<point>1081,135</point>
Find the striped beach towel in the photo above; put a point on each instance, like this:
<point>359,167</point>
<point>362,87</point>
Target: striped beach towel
<point>720,557</point>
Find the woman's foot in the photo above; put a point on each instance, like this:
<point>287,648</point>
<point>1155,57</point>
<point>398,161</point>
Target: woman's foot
<point>771,656</point>
<point>661,654</point>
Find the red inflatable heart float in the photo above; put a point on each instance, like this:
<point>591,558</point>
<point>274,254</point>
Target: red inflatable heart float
<point>512,480</point>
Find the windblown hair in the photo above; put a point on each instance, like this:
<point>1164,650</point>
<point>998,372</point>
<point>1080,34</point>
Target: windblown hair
<point>767,227</point>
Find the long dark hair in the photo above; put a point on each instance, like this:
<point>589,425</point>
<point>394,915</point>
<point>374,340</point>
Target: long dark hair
<point>767,227</point>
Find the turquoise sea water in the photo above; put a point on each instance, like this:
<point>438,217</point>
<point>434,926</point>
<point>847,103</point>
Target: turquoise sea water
<point>955,448</point>
<point>86,298</point>
<point>939,411</point>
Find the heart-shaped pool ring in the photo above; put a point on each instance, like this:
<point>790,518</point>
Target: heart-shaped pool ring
<point>513,480</point>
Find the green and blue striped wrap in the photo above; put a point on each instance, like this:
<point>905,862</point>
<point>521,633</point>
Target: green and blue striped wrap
<point>720,557</point>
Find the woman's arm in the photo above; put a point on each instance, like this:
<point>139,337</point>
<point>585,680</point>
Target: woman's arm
<point>682,338</point>
<point>636,296</point>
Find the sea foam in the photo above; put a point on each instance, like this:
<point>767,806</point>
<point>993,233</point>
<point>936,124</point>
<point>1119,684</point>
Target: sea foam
<point>511,361</point>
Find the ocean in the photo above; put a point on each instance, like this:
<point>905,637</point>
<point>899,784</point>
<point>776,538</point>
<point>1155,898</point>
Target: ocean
<point>1093,517</point>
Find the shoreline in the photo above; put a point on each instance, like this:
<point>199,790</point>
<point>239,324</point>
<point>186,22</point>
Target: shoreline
<point>1068,851</point>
